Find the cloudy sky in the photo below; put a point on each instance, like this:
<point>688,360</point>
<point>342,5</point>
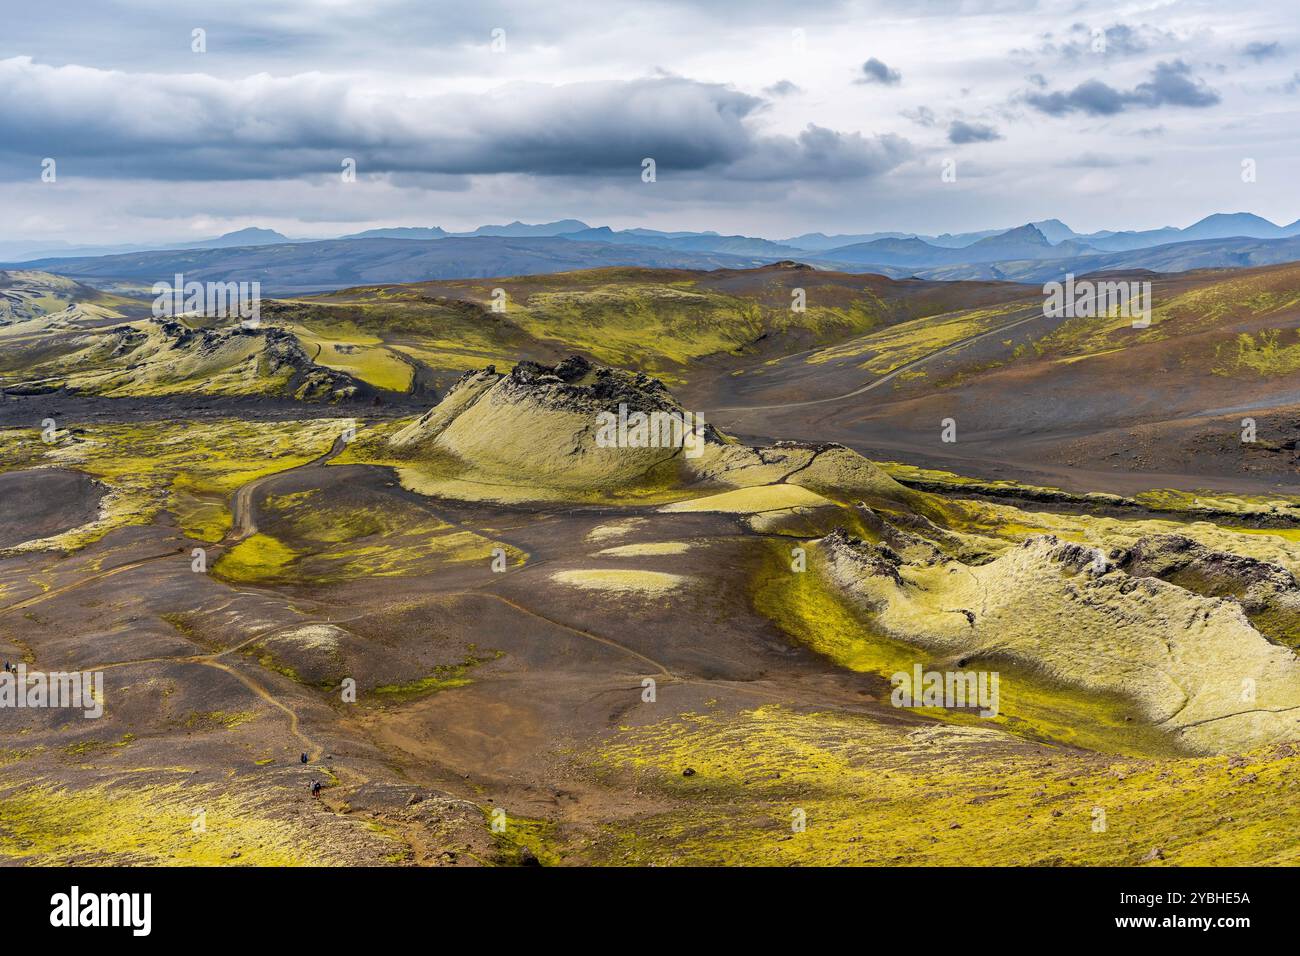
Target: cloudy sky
<point>764,118</point>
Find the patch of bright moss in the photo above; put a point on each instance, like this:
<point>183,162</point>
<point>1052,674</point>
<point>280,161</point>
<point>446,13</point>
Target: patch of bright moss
<point>257,558</point>
<point>1274,352</point>
<point>538,837</point>
<point>444,677</point>
<point>875,794</point>
<point>359,354</point>
<point>47,825</point>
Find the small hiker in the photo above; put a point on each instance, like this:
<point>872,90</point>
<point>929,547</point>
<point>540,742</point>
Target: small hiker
<point>315,789</point>
<point>304,757</point>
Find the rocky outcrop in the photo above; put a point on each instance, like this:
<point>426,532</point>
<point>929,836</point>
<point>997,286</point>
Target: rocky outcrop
<point>1193,665</point>
<point>1268,593</point>
<point>165,356</point>
<point>548,425</point>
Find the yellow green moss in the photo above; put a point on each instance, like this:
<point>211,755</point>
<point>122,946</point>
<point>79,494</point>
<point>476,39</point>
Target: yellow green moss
<point>48,824</point>
<point>257,558</point>
<point>874,794</point>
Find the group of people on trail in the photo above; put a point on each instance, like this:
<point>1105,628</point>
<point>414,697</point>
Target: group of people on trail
<point>315,784</point>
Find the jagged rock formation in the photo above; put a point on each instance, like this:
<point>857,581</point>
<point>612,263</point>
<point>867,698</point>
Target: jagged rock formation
<point>1269,594</point>
<point>541,425</point>
<point>165,356</point>
<point>1192,664</point>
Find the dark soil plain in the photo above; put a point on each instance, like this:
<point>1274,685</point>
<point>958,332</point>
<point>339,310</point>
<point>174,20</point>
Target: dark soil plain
<point>378,531</point>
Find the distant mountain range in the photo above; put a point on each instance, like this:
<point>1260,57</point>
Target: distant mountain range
<point>1172,257</point>
<point>287,268</point>
<point>14,251</point>
<point>1034,252</point>
<point>1218,226</point>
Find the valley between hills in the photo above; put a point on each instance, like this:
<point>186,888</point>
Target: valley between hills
<point>568,654</point>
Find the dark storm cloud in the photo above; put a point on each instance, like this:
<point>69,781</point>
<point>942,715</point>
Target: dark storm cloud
<point>195,127</point>
<point>822,154</point>
<point>1092,96</point>
<point>959,132</point>
<point>1259,50</point>
<point>1171,84</point>
<point>874,71</point>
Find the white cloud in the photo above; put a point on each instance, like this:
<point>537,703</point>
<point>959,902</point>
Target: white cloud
<point>198,127</point>
<point>151,137</point>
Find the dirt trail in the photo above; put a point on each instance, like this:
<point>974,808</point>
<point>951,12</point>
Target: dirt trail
<point>243,518</point>
<point>607,641</point>
<point>243,525</point>
<point>98,576</point>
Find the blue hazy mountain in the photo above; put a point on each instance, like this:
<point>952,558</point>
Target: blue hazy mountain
<point>1032,252</point>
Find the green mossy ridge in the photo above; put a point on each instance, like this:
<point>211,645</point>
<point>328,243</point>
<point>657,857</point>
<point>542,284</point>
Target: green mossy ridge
<point>430,472</point>
<point>948,796</point>
<point>808,608</point>
<point>1279,508</point>
<point>658,321</point>
<point>995,525</point>
<point>661,329</point>
<point>446,335</point>
<point>381,535</point>
<point>31,296</point>
<point>160,357</point>
<point>889,348</point>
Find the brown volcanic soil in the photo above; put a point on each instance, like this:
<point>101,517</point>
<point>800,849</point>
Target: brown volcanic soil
<point>1140,415</point>
<point>475,688</point>
<point>45,501</point>
<point>221,685</point>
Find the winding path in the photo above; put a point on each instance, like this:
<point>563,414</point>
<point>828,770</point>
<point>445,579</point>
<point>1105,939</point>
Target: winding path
<point>889,376</point>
